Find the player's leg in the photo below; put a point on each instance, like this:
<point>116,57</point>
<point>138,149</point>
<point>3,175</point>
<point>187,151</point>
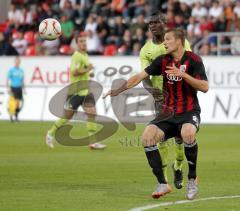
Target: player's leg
<point>71,106</point>
<point>188,133</point>
<point>56,125</point>
<point>19,99</point>
<point>178,163</point>
<point>151,136</point>
<point>163,148</point>
<point>91,113</point>
<point>17,95</point>
<point>11,107</point>
<point>179,150</point>
<point>17,109</point>
<point>90,109</point>
<point>160,115</point>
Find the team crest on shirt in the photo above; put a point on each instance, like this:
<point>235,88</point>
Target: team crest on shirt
<point>172,78</point>
<point>183,68</point>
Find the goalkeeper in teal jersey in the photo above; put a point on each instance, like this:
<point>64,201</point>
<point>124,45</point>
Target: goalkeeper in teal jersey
<point>80,70</point>
<point>151,50</point>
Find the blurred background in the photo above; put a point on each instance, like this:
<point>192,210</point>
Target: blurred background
<point>118,27</point>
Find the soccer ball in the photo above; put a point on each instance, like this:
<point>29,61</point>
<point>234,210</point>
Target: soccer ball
<point>49,29</point>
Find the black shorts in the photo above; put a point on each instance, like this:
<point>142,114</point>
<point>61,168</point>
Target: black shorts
<point>17,93</point>
<point>74,101</point>
<point>173,125</point>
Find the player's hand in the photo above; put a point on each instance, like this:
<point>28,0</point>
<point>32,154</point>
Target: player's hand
<point>90,66</point>
<point>9,91</point>
<point>174,71</point>
<point>91,74</point>
<point>112,93</point>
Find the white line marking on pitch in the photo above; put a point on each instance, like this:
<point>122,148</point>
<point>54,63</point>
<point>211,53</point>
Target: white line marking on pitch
<point>181,202</point>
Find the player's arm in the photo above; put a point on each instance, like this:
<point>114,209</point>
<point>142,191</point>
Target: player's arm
<point>198,81</point>
<point>77,70</point>
<point>145,62</point>
<point>130,83</point>
<point>153,69</point>
<point>8,86</point>
<point>23,85</point>
<point>8,83</point>
<point>197,84</point>
<point>80,71</point>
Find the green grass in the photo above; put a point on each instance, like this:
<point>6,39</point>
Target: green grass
<point>33,177</point>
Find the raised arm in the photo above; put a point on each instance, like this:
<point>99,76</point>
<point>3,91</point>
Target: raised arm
<point>130,83</point>
<point>153,69</point>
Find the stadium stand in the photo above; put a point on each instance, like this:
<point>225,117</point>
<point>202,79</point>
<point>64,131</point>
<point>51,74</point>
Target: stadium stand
<point>119,27</point>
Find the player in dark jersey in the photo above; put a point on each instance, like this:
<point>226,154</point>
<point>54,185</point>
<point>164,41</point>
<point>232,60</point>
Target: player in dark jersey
<point>150,51</point>
<point>183,75</point>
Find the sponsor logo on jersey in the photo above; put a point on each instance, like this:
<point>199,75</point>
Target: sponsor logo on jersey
<point>172,78</point>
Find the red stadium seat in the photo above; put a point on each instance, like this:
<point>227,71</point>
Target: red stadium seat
<point>18,1</point>
<point>65,49</point>
<point>30,51</point>
<point>29,36</point>
<point>110,50</point>
<point>3,26</point>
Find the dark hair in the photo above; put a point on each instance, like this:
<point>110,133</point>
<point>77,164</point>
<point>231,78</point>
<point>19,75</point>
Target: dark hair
<point>178,34</point>
<point>159,16</point>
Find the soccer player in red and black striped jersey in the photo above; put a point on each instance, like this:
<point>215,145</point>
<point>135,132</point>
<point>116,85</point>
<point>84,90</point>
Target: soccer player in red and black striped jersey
<point>183,75</point>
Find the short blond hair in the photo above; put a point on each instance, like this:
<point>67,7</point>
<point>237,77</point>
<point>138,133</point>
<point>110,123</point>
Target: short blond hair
<point>178,34</point>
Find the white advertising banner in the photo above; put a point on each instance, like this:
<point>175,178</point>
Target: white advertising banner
<point>45,76</point>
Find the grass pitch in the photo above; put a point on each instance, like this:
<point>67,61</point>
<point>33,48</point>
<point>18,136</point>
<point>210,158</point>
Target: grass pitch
<point>33,177</point>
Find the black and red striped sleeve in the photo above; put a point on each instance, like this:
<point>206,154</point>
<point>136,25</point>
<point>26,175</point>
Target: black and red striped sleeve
<point>155,68</point>
<point>198,69</point>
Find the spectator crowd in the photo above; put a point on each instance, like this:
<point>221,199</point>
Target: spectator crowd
<point>117,27</point>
